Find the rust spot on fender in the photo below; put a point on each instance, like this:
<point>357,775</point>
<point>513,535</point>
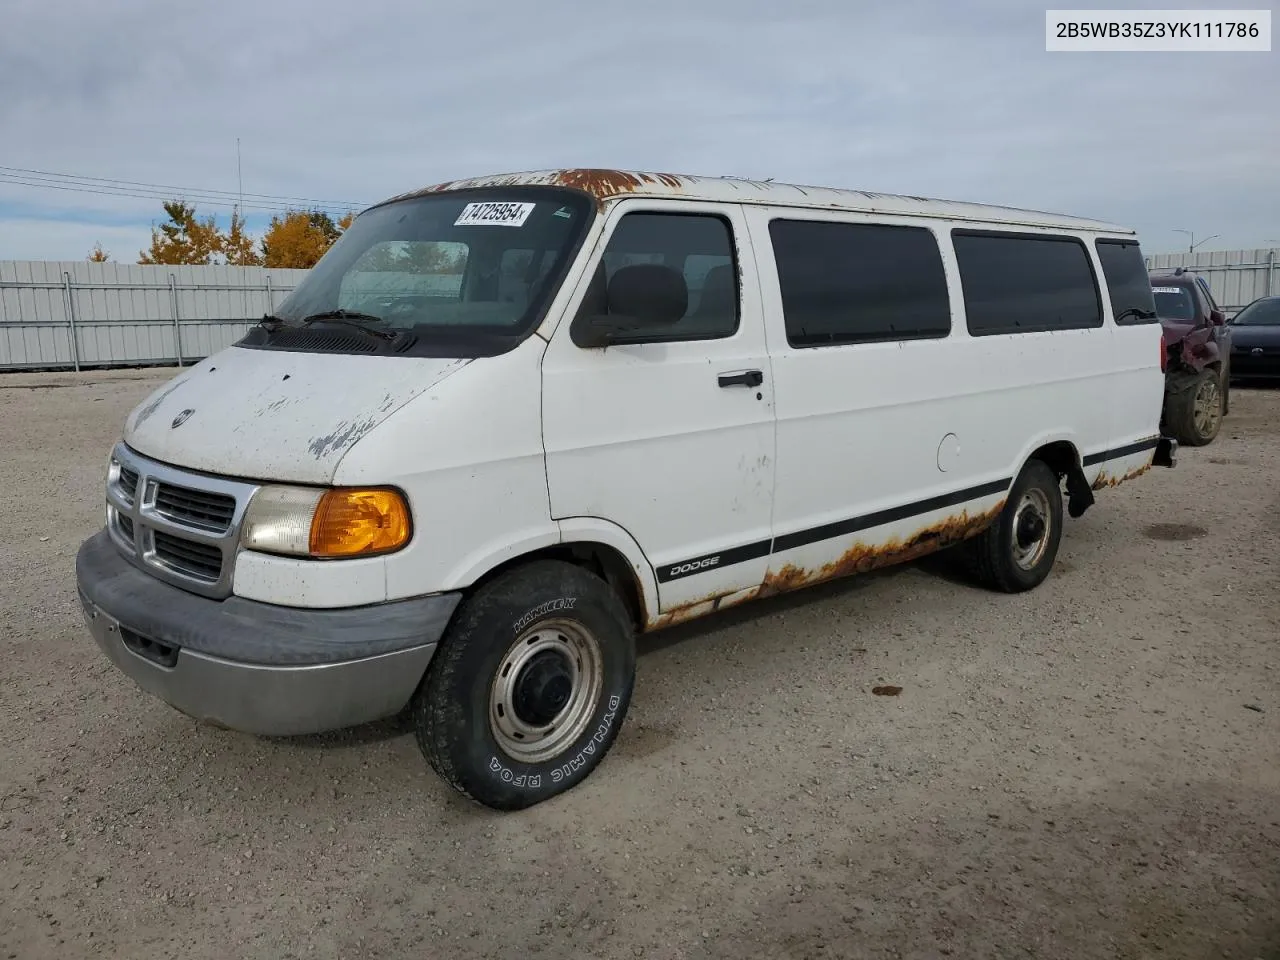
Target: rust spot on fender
<point>1110,480</point>
<point>863,558</point>
<point>691,610</point>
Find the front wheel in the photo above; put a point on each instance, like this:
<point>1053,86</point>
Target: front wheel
<point>529,687</point>
<point>1017,551</point>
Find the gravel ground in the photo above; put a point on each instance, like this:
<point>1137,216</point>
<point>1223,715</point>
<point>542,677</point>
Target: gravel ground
<point>1089,770</point>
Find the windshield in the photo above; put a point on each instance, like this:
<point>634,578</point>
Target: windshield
<point>1263,313</point>
<point>470,272</point>
<point>1175,303</point>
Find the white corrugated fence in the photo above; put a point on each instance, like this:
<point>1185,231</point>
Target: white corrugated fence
<point>74,314</point>
<point>1236,277</point>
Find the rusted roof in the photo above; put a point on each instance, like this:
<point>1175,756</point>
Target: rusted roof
<point>606,185</point>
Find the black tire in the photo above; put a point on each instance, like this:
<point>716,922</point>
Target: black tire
<point>993,555</point>
<point>552,607</point>
<point>1191,425</point>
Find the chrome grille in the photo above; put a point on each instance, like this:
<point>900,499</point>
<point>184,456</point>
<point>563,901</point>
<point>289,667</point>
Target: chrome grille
<point>182,526</point>
<point>128,483</point>
<point>210,511</point>
<point>197,560</point>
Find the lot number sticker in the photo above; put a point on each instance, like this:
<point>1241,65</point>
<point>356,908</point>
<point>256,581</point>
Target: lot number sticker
<point>491,214</point>
<point>1166,289</point>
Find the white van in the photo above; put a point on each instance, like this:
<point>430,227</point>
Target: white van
<point>508,423</point>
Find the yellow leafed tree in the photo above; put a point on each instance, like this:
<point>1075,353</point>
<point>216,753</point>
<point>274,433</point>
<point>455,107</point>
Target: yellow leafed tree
<point>98,255</point>
<point>184,239</point>
<point>294,239</point>
<point>238,246</point>
<point>300,238</point>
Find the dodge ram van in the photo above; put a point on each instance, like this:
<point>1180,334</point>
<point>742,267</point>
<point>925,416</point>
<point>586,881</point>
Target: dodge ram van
<point>506,424</point>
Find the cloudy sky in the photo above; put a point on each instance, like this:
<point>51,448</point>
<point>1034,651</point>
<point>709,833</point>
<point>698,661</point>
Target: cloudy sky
<point>351,102</point>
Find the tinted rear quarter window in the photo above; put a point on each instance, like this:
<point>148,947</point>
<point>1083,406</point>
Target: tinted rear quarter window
<point>1025,283</point>
<point>1128,283</point>
<point>847,283</point>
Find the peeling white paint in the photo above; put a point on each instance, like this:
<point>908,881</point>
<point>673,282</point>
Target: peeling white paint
<point>276,415</point>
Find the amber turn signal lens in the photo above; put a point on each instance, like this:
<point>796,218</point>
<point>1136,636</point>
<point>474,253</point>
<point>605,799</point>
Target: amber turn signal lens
<point>351,521</point>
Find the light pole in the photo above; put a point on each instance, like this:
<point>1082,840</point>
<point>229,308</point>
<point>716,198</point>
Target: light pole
<point>1190,233</point>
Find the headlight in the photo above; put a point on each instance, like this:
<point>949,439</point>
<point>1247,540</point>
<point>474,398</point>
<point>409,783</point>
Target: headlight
<point>340,522</point>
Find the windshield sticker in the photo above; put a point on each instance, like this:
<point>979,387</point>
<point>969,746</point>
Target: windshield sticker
<point>1166,289</point>
<point>494,214</point>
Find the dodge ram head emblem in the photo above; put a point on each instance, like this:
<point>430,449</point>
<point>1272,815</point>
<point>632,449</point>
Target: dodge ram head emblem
<point>180,419</point>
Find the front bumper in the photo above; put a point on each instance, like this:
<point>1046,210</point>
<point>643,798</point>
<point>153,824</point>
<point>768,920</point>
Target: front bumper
<point>257,667</point>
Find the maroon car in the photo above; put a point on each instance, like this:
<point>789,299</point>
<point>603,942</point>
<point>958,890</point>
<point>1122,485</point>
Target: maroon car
<point>1198,341</point>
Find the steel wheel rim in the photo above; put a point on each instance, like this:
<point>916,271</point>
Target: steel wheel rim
<point>1207,406</point>
<point>578,655</point>
<point>1031,529</point>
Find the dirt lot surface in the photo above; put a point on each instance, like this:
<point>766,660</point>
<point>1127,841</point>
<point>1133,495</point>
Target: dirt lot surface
<point>1089,770</point>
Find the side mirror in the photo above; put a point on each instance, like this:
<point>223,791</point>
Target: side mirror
<point>640,298</point>
<point>1217,318</point>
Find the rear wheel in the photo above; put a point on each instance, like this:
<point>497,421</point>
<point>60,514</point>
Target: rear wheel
<point>529,687</point>
<point>1017,551</point>
<point>1195,407</point>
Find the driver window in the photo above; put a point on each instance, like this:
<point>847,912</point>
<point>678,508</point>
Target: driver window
<point>697,246</point>
<point>401,273</point>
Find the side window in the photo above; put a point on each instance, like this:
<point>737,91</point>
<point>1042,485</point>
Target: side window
<point>1208,294</point>
<point>1128,283</point>
<point>858,282</point>
<point>698,247</point>
<point>1025,283</point>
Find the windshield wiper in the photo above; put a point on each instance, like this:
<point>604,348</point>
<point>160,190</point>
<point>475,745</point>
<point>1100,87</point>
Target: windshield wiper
<point>1136,312</point>
<point>352,318</point>
<point>270,321</point>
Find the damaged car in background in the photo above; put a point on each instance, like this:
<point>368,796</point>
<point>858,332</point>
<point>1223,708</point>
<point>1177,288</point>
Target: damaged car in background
<point>1198,341</point>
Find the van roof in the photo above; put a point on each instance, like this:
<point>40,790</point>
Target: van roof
<point>605,185</point>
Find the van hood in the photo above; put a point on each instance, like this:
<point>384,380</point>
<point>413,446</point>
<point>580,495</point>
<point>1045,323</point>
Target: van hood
<point>276,415</point>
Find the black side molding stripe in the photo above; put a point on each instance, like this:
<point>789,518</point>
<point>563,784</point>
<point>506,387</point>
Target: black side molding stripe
<point>710,561</point>
<point>762,548</point>
<point>1127,450</point>
<point>840,528</point>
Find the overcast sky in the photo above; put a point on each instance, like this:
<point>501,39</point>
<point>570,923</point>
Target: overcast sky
<point>354,102</point>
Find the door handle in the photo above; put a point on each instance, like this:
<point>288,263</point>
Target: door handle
<point>748,378</point>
